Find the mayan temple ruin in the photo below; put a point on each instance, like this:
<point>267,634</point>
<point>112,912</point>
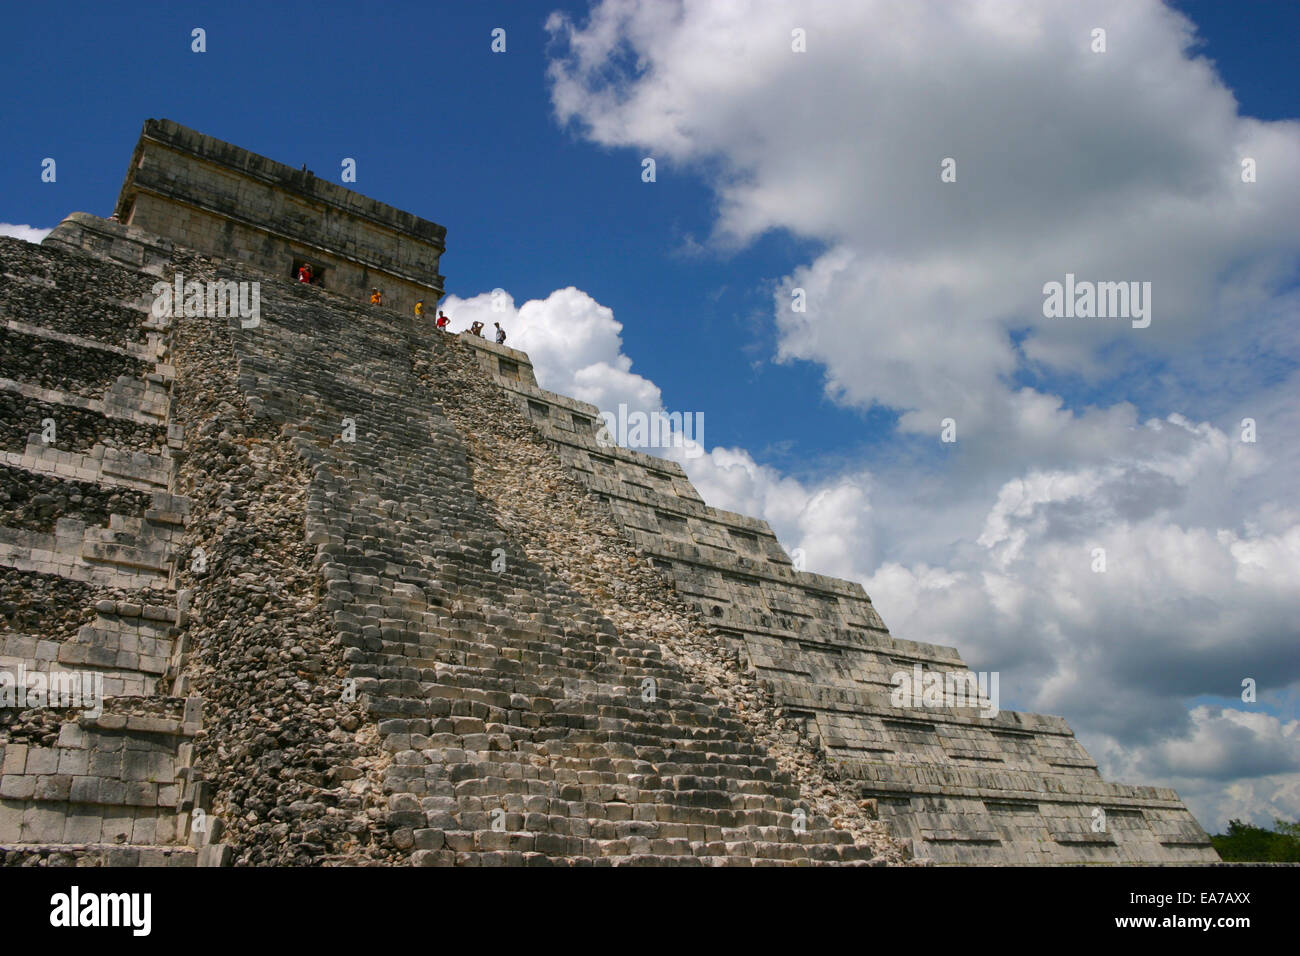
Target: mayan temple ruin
<point>360,592</point>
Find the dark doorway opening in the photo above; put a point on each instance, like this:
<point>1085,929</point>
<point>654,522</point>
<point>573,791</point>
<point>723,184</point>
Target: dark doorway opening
<point>317,271</point>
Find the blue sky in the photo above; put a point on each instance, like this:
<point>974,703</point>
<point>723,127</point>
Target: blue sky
<point>827,424</point>
<point>441,126</point>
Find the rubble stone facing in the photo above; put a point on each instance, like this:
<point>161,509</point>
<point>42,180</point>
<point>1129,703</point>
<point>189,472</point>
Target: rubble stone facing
<point>295,770</point>
<point>36,502</point>
<point>34,288</point>
<point>77,430</point>
<point>61,364</point>
<point>48,603</point>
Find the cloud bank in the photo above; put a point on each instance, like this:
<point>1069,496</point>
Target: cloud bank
<point>26,233</point>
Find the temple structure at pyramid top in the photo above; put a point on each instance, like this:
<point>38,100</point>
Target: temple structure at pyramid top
<point>233,204</point>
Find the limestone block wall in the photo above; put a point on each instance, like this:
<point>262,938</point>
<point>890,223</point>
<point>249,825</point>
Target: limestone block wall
<point>230,203</point>
<point>964,787</point>
<point>89,536</point>
<point>106,791</point>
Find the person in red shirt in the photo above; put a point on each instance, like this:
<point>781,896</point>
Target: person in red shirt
<point>442,320</point>
<point>304,272</point>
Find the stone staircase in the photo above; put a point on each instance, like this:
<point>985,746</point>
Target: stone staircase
<point>961,784</point>
<point>524,727</point>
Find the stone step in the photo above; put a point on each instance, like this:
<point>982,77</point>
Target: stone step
<point>111,854</point>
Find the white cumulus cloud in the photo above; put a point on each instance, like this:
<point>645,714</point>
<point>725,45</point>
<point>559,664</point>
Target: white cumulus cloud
<point>26,233</point>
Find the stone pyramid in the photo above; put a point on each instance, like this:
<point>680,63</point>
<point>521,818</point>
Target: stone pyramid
<point>360,592</point>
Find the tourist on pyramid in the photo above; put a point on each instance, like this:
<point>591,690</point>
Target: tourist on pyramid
<point>476,329</point>
<point>375,297</point>
<point>304,272</point>
<point>442,320</point>
<point>501,334</point>
<point>419,309</point>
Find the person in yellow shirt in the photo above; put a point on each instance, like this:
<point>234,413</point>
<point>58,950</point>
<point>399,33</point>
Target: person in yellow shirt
<point>375,297</point>
<point>419,309</point>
